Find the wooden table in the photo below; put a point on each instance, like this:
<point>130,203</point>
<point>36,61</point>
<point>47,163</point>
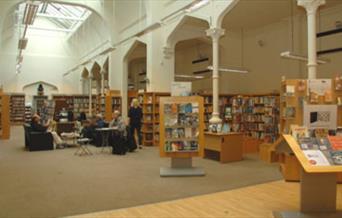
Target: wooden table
<point>229,146</point>
<point>318,187</point>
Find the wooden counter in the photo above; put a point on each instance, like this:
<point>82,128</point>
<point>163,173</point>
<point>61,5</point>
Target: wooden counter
<point>227,147</point>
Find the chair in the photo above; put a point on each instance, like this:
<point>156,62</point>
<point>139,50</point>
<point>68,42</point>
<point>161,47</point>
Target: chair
<point>83,149</point>
<point>37,141</point>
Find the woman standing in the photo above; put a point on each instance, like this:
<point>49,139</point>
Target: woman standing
<point>135,115</point>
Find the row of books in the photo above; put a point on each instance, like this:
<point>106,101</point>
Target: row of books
<point>176,133</point>
<point>181,146</point>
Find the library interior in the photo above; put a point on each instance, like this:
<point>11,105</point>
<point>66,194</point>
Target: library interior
<point>171,108</point>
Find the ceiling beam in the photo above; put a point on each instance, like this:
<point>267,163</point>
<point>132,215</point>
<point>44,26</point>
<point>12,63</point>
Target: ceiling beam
<point>59,17</point>
<point>48,29</point>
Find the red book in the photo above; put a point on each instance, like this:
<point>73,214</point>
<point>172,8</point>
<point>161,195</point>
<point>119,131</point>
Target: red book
<point>336,142</point>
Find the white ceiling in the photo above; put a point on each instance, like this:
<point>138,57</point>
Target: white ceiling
<point>257,13</point>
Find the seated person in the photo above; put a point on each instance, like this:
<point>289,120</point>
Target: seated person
<point>99,121</point>
<point>82,116</point>
<point>117,121</point>
<point>38,127</point>
<point>87,131</point>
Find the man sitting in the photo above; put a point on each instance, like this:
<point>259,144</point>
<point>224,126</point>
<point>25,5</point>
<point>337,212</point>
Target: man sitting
<point>117,121</point>
<point>99,121</point>
<point>38,127</point>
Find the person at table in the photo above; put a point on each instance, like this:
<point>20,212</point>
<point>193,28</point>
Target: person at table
<point>135,115</point>
<point>100,122</point>
<point>38,127</point>
<point>117,121</point>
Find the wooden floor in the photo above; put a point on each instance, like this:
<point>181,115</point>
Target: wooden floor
<point>254,201</point>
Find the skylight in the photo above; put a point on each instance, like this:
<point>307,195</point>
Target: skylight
<point>66,18</point>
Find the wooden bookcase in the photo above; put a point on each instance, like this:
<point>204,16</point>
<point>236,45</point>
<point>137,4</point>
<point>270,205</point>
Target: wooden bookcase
<point>113,101</point>
<point>290,166</point>
<point>38,101</point>
<point>150,123</point>
<point>256,116</point>
<point>181,127</point>
<point>4,116</point>
<point>17,108</point>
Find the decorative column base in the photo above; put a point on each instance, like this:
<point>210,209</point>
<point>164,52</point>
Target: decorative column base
<point>215,119</point>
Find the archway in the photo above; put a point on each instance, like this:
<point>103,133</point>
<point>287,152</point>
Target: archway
<point>96,78</point>
<point>135,70</point>
<point>85,81</point>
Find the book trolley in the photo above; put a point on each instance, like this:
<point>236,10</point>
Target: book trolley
<point>181,134</point>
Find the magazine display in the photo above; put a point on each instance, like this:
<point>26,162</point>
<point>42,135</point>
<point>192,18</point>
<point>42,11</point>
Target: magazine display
<point>322,151</point>
<point>181,127</point>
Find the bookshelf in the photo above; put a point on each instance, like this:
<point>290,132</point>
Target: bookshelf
<point>257,116</point>
<point>81,103</point>
<point>113,101</point>
<point>28,113</point>
<point>4,116</point>
<point>17,108</point>
<point>38,101</point>
<point>181,127</point>
<point>150,123</point>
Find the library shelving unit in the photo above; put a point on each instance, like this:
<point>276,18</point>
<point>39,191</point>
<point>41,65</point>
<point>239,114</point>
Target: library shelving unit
<point>148,113</point>
<point>81,103</point>
<point>38,101</point>
<point>113,101</point>
<point>181,134</point>
<point>60,102</point>
<point>293,96</point>
<point>150,127</point>
<point>100,104</point>
<point>17,108</point>
<point>4,116</point>
<point>256,116</point>
<point>28,114</point>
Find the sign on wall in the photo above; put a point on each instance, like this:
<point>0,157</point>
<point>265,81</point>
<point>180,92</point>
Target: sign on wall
<point>181,89</point>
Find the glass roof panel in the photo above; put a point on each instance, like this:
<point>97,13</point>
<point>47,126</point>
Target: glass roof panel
<point>62,15</point>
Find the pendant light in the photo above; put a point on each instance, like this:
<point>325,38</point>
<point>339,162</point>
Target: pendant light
<point>290,54</point>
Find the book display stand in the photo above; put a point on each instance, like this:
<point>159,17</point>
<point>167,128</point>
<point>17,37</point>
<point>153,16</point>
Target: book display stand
<point>181,134</point>
<point>294,94</point>
<point>318,188</point>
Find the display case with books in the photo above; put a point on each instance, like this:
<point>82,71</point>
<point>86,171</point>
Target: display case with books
<point>181,127</point>
<point>17,108</point>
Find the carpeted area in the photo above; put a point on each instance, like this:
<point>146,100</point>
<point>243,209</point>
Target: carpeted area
<point>57,183</point>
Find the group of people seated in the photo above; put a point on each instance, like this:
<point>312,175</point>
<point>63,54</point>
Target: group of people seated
<point>87,127</point>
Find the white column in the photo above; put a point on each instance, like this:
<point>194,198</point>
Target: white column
<point>90,96</point>
<point>215,33</point>
<point>311,7</point>
<point>169,62</point>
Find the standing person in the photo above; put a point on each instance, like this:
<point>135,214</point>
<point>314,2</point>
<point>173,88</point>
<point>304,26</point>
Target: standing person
<point>135,115</point>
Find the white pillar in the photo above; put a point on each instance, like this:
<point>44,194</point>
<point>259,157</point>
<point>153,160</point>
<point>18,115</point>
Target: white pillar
<point>311,7</point>
<point>215,33</point>
<point>90,96</point>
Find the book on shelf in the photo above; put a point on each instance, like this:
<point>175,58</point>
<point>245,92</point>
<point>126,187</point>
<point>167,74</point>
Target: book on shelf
<point>338,83</point>
<point>290,90</point>
<point>299,131</point>
<point>289,112</point>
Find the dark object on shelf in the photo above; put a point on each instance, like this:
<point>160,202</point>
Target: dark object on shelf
<point>37,141</point>
<point>40,89</point>
<point>329,32</point>
<point>65,127</point>
<point>328,51</point>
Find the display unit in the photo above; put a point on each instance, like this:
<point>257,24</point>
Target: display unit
<point>17,108</point>
<point>181,127</point>
<point>318,188</point>
<point>150,123</point>
<point>4,116</point>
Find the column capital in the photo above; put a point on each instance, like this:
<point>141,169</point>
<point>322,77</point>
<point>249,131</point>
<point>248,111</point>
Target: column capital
<point>168,52</point>
<point>215,33</point>
<point>311,6</point>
